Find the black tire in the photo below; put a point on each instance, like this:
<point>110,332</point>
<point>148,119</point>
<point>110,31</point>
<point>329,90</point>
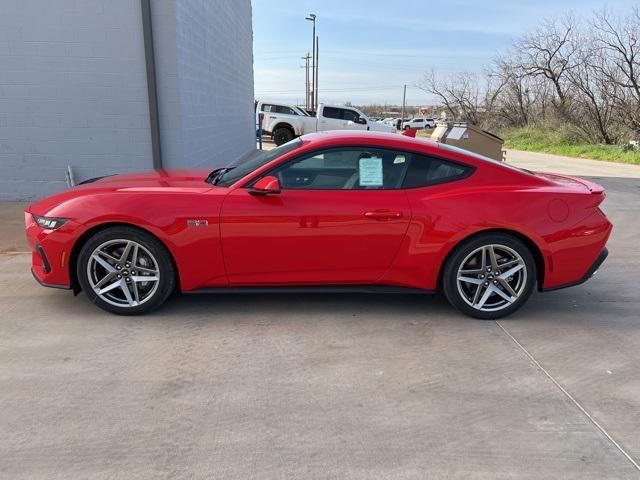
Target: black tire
<point>525,285</point>
<point>282,135</point>
<point>159,260</point>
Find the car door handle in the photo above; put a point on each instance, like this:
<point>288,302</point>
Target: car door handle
<point>382,214</point>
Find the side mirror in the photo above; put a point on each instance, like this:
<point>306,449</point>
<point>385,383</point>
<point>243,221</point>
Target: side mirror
<point>265,185</point>
<point>361,121</point>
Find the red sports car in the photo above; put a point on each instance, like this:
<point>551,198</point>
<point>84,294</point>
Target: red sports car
<point>329,212</point>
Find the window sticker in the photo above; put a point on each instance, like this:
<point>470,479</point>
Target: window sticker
<point>370,172</point>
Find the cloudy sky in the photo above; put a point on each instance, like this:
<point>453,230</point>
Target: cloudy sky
<point>370,48</point>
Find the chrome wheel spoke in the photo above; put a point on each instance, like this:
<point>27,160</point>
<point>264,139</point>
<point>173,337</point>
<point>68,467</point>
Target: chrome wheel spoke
<point>475,271</point>
<point>477,294</point>
<point>106,279</point>
<point>485,297</point>
<point>146,270</point>
<point>108,288</point>
<point>475,281</point>
<point>107,256</point>
<point>142,278</point>
<point>126,252</point>
<point>136,293</point>
<point>503,295</point>
<point>505,285</point>
<point>127,293</point>
<point>106,265</point>
<point>509,263</point>
<point>511,271</point>
<point>491,253</point>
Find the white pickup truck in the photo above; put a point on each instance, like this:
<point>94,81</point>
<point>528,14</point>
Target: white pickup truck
<point>285,122</point>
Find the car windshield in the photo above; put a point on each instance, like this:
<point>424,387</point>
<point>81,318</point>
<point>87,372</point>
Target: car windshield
<point>228,176</point>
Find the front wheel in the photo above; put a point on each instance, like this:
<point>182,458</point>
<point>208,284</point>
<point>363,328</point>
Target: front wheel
<point>282,135</point>
<point>490,276</point>
<point>125,271</point>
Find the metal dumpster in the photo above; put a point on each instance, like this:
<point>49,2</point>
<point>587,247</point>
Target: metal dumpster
<point>469,137</point>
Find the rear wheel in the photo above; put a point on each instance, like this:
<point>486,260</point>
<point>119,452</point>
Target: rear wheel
<point>126,271</point>
<point>282,135</point>
<point>490,276</point>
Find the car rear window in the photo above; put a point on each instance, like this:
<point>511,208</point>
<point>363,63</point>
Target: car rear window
<point>424,171</point>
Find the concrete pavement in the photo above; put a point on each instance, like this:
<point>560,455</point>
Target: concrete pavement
<point>350,386</point>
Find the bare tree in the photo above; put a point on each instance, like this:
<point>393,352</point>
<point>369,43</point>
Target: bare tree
<point>619,40</point>
<point>586,75</point>
<point>520,94</point>
<point>465,96</point>
<point>593,111</point>
<point>550,52</point>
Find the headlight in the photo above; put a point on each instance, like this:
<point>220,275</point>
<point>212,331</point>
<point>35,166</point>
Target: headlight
<point>50,223</point>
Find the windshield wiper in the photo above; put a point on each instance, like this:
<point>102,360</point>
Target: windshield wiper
<point>215,176</point>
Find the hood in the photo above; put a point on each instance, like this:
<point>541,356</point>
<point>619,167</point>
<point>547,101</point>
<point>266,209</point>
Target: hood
<point>152,178</point>
<point>158,181</point>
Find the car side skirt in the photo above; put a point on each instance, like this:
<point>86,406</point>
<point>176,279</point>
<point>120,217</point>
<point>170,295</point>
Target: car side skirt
<point>386,289</point>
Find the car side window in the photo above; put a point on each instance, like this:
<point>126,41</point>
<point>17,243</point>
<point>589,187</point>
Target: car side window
<point>330,112</point>
<point>355,168</point>
<point>286,110</point>
<point>424,171</point>
<point>349,115</point>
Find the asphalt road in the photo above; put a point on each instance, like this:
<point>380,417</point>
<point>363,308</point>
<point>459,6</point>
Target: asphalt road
<point>349,386</point>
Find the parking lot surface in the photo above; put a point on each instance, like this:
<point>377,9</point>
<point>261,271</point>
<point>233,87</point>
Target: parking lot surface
<point>317,386</point>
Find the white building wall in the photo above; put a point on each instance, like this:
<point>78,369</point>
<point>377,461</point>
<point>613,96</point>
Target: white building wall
<point>73,88</point>
<point>205,80</point>
<point>72,92</point>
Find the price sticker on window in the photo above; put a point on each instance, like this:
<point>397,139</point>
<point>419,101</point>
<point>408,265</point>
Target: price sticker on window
<point>370,172</point>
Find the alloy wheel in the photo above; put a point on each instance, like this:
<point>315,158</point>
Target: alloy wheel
<point>492,277</point>
<point>123,273</point>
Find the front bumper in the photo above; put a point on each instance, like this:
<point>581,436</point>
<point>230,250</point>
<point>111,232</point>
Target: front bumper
<point>50,252</point>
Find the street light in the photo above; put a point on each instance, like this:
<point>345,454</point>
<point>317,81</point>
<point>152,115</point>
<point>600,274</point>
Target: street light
<point>312,18</point>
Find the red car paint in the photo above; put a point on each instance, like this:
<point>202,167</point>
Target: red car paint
<point>336,237</point>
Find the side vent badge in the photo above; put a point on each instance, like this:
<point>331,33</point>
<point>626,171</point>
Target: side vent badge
<point>197,223</point>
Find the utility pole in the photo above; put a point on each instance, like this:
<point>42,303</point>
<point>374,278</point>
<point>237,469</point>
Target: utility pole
<point>404,101</point>
<point>315,83</point>
<point>306,84</point>
<point>312,18</point>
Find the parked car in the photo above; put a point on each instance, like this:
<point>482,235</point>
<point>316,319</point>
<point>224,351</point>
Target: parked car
<point>419,123</point>
<point>392,122</point>
<point>288,125</point>
<point>339,211</point>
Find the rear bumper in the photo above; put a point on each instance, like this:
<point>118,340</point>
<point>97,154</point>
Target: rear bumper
<point>590,273</point>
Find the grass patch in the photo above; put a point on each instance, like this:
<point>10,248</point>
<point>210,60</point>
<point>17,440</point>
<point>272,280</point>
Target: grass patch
<point>562,140</point>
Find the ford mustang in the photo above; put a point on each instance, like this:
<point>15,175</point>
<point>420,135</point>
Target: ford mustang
<point>328,212</point>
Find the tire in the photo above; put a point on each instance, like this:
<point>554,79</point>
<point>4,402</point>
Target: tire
<point>282,135</point>
<point>469,268</point>
<point>147,271</point>
<point>406,127</point>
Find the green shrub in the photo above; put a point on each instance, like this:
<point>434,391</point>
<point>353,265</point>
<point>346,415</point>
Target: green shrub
<point>565,140</point>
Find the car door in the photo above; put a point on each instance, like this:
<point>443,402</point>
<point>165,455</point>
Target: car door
<point>352,119</point>
<point>330,118</point>
<point>339,218</point>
